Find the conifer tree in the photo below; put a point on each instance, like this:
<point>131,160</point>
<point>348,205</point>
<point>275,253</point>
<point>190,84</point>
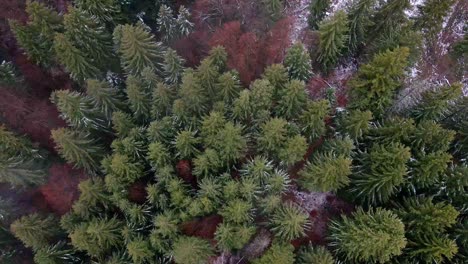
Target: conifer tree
<point>37,36</point>
<point>273,135</point>
<point>274,8</point>
<point>56,254</point>
<point>333,35</point>
<point>294,150</point>
<point>21,171</point>
<point>35,231</point>
<point>374,236</point>
<point>207,76</point>
<point>314,254</point>
<point>432,248</point>
<point>9,75</point>
<point>79,67</point>
<point>139,98</point>
<point>428,168</point>
<point>163,98</point>
<point>218,57</point>
<point>277,75</point>
<point>389,18</point>
<point>434,105</point>
<point>279,253</point>
<point>326,172</point>
<point>89,36</point>
<point>191,250</point>
<point>137,48</point>
<point>431,16</point>
<point>383,171</point>
<point>77,148</point>
<point>293,99</point>
<point>289,222</point>
<point>228,86</point>
<point>359,22</point>
<point>166,22</point>
<point>376,82</point>
<point>230,143</point>
<point>298,62</point>
<point>192,94</point>
<point>317,11</point>
<point>122,123</point>
<point>140,250</point>
<point>312,119</point>
<point>356,123</point>
<point>173,66</point>
<point>184,25</point>
<point>104,96</point>
<point>237,211</point>
<point>186,144</point>
<point>79,111</point>
<point>106,11</point>
<point>233,237</point>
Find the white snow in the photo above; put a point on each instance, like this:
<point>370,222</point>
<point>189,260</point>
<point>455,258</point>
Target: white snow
<point>300,12</point>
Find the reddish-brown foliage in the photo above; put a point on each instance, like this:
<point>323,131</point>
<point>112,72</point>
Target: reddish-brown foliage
<point>29,116</point>
<point>61,190</point>
<point>193,48</point>
<point>137,192</point>
<point>203,228</point>
<point>277,41</point>
<point>184,170</point>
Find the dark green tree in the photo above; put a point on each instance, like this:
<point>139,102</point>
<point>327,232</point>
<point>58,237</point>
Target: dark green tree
<point>140,250</point>
<point>228,86</point>
<point>356,123</point>
<point>314,254</point>
<point>56,254</point>
<point>139,98</point>
<point>37,36</point>
<point>293,100</point>
<point>298,62</point>
<point>35,231</point>
<point>233,237</point>
<point>434,105</point>
<point>289,222</point>
<point>278,253</point>
<point>106,11</point>
<point>274,8</point>
<point>173,66</point>
<point>312,119</point>
<point>359,22</point>
<point>389,18</point>
<point>104,96</point>
<point>191,250</point>
<point>317,11</point>
<point>375,84</point>
<point>333,33</point>
<point>374,236</point>
<point>431,16</point>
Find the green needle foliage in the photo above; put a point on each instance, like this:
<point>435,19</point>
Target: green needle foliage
<point>273,135</point>
<point>274,8</point>
<point>106,11</point>
<point>298,62</point>
<point>383,171</point>
<point>140,250</point>
<point>139,98</point>
<point>432,248</point>
<point>333,35</point>
<point>376,82</point>
<point>77,148</point>
<point>56,254</point>
<point>237,212</point>
<point>186,144</point>
<point>293,99</point>
<point>37,36</point>
<point>359,22</point>
<point>289,222</point>
<point>326,172</point>
<point>104,96</point>
<point>137,48</point>
<point>356,123</point>
<point>278,253</point>
<point>431,16</point>
<point>317,255</point>
<point>372,237</point>
<point>318,11</point>
<point>191,250</point>
<point>233,237</point>
<point>228,86</point>
<point>35,231</point>
<point>173,66</point>
<point>294,150</point>
<point>312,119</point>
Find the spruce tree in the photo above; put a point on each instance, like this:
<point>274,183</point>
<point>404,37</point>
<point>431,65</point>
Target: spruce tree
<point>431,248</point>
<point>233,237</point>
<point>431,16</point>
<point>166,22</point>
<point>312,119</point>
<point>173,66</point>
<point>289,222</point>
<point>77,148</point>
<point>374,236</point>
<point>56,254</point>
<point>140,250</point>
<point>9,75</point>
<point>333,35</point>
<point>35,231</point>
<point>191,250</point>
<point>139,98</point>
<point>314,254</point>
<point>79,67</point>
<point>317,11</point>
<point>359,22</point>
<point>21,172</point>
<point>228,86</point>
<point>277,75</point>
<point>106,11</point>
<point>383,171</point>
<point>137,48</point>
<point>298,62</point>
<point>184,25</point>
<point>104,96</point>
<point>37,36</point>
<point>326,172</point>
<point>294,150</point>
<point>388,19</point>
<point>278,253</point>
<point>230,143</point>
<point>163,98</point>
<point>374,86</point>
<point>79,111</point>
<point>274,8</point>
<point>293,99</point>
<point>356,123</point>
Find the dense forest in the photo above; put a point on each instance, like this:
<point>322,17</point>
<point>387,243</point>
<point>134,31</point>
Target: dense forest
<point>224,132</point>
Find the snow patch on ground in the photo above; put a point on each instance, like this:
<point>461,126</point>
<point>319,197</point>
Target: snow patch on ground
<point>337,5</point>
<point>311,201</point>
<point>300,11</point>
<point>413,11</point>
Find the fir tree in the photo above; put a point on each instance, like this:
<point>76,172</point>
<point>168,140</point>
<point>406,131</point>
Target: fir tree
<point>388,19</point>
<point>233,237</point>
<point>37,36</point>
<point>431,248</point>
<point>77,148</point>
<point>184,25</point>
<point>9,75</point>
<point>158,155</point>
<point>376,82</point>
<point>277,75</point>
<point>79,111</point>
<point>317,255</point>
<point>79,67</point>
<point>192,94</point>
<point>431,16</point>
<point>163,98</point>
<point>312,119</point>
<point>218,57</point>
<point>137,48</point>
<point>273,135</point>
<point>279,253</point>
<point>430,136</point>
<point>383,171</point>
<point>294,150</point>
<point>122,123</point>
<point>21,172</point>
<point>289,222</point>
<point>298,62</point>
<point>166,22</point>
<point>173,66</point>
<point>427,169</point>
<point>56,254</point>
<point>327,172</point>
<point>317,11</point>
<point>230,143</point>
<point>228,86</point>
<point>207,75</point>
<point>373,237</point>
<point>237,212</point>
<point>107,11</point>
<point>191,250</point>
<point>333,35</point>
<point>140,250</point>
<point>359,22</point>
<point>35,231</point>
<point>356,123</point>
<point>186,144</point>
